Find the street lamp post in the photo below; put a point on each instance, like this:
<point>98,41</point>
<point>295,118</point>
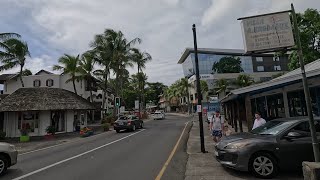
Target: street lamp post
<point>203,150</point>
<point>315,143</point>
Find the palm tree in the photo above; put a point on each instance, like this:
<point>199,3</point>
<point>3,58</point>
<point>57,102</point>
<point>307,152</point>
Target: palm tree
<point>184,86</point>
<point>140,58</point>
<point>14,54</point>
<point>86,67</point>
<point>115,52</point>
<point>69,65</point>
<point>5,36</point>
<point>204,87</point>
<point>221,86</point>
<point>244,80</point>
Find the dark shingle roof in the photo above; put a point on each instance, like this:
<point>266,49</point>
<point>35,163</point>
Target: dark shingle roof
<point>33,99</point>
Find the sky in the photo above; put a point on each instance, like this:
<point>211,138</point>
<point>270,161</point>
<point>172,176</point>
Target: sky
<point>56,27</point>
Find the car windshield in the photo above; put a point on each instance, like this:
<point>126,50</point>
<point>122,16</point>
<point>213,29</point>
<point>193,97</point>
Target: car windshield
<point>272,127</point>
<point>123,118</point>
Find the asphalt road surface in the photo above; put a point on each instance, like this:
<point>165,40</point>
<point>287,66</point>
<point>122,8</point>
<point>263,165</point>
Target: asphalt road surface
<point>127,155</point>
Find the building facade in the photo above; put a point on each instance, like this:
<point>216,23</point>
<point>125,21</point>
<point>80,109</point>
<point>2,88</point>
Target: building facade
<point>259,68</point>
<point>47,80</point>
<point>282,97</point>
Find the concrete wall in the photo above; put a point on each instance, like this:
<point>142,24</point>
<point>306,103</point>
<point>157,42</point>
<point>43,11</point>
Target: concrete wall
<point>69,120</point>
<point>44,122</point>
<point>10,124</point>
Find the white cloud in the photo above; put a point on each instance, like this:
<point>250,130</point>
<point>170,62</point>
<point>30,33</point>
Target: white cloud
<point>56,27</point>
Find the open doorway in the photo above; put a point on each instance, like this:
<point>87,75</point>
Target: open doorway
<point>58,121</point>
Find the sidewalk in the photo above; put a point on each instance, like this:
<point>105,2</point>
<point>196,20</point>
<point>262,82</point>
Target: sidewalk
<point>39,142</point>
<point>204,166</point>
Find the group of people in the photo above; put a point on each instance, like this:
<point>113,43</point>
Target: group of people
<point>219,128</point>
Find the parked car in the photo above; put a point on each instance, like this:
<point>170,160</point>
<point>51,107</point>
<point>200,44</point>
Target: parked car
<point>158,115</point>
<point>280,144</point>
<point>8,156</point>
<point>130,122</point>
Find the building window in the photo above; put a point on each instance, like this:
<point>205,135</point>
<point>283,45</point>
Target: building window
<point>37,83</point>
<point>260,68</point>
<point>49,82</point>
<point>277,68</point>
<point>276,58</point>
<point>259,59</point>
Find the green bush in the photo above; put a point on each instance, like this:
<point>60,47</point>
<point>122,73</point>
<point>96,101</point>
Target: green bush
<point>106,126</point>
<point>51,130</point>
<point>2,135</point>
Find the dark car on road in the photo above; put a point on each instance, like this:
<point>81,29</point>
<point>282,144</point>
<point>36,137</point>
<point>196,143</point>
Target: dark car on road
<point>130,123</point>
<point>281,144</point>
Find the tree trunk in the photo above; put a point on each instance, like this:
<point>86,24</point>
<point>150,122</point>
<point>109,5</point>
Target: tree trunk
<point>104,98</point>
<point>74,86</point>
<point>21,68</point>
<point>139,89</point>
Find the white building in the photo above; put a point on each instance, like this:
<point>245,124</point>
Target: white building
<point>49,85</point>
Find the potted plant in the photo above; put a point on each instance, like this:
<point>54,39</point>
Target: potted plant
<point>106,126</point>
<point>51,130</point>
<point>24,135</point>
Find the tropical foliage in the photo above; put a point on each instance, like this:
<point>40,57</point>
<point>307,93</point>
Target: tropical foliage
<point>244,80</point>
<point>227,64</point>
<point>309,28</point>
<point>69,64</point>
<point>13,53</point>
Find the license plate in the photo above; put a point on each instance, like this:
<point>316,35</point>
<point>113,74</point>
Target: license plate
<point>216,153</point>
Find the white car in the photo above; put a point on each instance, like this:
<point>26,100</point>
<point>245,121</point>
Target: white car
<point>158,115</point>
<point>8,156</point>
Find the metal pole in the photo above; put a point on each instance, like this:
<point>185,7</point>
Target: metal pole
<point>315,143</point>
<point>203,150</point>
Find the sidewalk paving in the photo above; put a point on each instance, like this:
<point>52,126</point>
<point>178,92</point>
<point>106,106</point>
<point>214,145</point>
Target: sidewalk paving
<point>204,166</point>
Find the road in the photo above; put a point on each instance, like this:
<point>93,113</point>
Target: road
<point>128,155</point>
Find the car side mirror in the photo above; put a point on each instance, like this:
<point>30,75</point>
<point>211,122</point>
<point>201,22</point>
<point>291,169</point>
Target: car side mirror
<point>293,135</point>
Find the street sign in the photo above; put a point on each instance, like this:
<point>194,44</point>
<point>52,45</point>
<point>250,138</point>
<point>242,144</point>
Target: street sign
<point>122,109</point>
<point>199,108</point>
<point>267,32</point>
<point>136,104</point>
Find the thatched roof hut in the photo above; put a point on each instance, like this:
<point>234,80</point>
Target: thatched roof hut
<point>42,99</point>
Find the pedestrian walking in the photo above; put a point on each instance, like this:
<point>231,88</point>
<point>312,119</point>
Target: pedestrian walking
<point>216,126</point>
<point>259,121</point>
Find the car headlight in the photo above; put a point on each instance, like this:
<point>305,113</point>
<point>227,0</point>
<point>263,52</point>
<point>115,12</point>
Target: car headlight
<point>12,147</point>
<point>236,145</point>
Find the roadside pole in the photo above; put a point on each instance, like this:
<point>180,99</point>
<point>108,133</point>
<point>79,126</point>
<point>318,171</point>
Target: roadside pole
<point>315,143</point>
<point>203,150</point>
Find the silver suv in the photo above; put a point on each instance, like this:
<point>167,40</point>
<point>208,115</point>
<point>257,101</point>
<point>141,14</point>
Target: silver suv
<point>8,156</point>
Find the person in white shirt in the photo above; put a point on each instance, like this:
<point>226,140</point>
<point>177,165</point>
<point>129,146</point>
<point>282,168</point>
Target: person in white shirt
<point>216,126</point>
<point>258,121</point>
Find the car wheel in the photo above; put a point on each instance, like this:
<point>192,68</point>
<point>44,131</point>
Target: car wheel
<point>141,125</point>
<point>133,127</point>
<point>263,165</point>
<point>117,130</point>
<point>3,164</point>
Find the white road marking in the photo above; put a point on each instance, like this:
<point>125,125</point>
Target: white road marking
<point>49,147</point>
<point>79,155</point>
